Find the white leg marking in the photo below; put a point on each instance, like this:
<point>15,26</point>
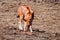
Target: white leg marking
<point>30,28</point>
<point>24,26</point>
<point>20,26</point>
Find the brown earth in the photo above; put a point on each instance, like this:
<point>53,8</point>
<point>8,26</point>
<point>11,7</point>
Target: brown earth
<point>46,23</point>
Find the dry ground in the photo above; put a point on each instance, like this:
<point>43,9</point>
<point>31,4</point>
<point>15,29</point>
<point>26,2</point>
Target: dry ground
<point>46,23</point>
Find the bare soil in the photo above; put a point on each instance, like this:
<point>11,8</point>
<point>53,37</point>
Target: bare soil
<point>46,23</point>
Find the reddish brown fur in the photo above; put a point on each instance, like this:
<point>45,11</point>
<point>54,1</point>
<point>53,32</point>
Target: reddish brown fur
<point>25,13</point>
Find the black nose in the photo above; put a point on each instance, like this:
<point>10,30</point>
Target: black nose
<point>18,16</point>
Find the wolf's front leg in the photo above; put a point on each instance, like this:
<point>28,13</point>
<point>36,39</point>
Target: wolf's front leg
<point>30,28</point>
<point>26,26</point>
<point>20,26</point>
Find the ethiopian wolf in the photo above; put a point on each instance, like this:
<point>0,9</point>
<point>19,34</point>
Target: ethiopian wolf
<point>25,14</point>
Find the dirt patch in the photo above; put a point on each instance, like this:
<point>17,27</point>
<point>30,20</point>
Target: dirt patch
<point>46,23</point>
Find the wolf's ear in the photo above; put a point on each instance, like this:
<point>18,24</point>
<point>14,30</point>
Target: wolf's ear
<point>31,11</point>
<point>29,8</point>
